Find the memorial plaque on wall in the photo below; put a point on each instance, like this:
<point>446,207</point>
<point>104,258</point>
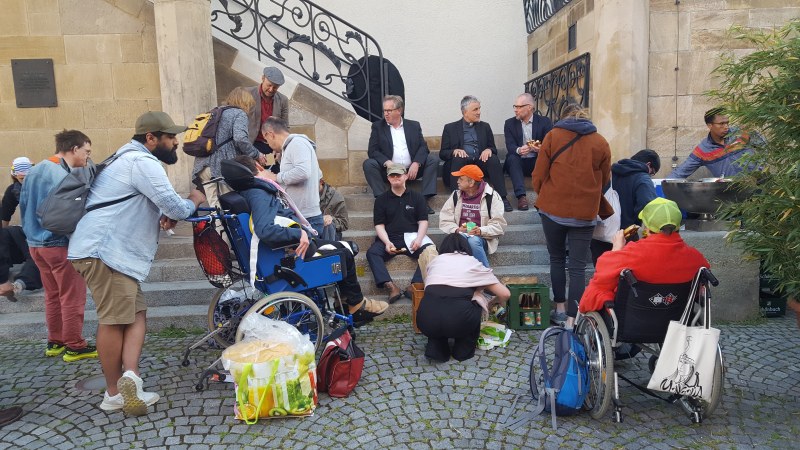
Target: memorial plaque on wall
<point>34,83</point>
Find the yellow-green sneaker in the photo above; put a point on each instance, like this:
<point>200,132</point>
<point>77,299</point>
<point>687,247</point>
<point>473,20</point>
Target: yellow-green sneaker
<point>54,349</point>
<point>71,355</point>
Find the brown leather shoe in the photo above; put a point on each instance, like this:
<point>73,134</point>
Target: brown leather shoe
<point>394,292</point>
<point>522,203</point>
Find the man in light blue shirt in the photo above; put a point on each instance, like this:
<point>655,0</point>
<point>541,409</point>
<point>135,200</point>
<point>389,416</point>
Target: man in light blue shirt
<point>113,248</point>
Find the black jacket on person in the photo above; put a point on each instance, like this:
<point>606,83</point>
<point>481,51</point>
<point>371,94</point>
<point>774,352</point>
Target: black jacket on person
<point>453,138</point>
<point>10,200</point>
<point>381,147</point>
<point>632,182</point>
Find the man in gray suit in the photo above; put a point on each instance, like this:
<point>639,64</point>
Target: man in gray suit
<point>269,102</point>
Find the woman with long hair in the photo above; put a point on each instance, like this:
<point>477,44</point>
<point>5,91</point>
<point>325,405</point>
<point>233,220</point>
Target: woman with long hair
<point>573,165</point>
<point>233,135</point>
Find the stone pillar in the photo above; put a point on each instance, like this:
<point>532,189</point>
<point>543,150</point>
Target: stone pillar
<point>619,71</point>
<point>186,69</point>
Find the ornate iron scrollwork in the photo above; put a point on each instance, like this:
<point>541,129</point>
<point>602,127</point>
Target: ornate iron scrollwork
<point>308,40</point>
<point>567,83</point>
<point>538,11</point>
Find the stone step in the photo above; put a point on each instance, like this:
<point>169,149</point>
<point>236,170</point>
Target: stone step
<point>362,199</point>
<point>514,235</point>
<point>362,220</point>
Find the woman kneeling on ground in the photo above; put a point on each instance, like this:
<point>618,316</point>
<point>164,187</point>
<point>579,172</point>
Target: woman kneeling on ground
<point>455,298</point>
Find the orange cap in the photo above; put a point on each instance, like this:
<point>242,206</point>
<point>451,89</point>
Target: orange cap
<point>470,170</point>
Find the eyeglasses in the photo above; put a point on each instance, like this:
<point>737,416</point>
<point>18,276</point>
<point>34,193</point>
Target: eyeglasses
<point>521,106</point>
<point>387,111</point>
<point>720,123</point>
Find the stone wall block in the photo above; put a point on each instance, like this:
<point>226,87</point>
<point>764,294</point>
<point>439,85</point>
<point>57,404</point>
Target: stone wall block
<point>131,47</point>
<point>149,45</point>
<point>661,73</point>
<point>664,31</point>
<point>694,76</point>
<point>658,111</point>
<point>117,137</point>
<point>136,81</point>
<point>331,140</point>
<point>99,137</point>
<point>310,132</point>
<point>434,143</point>
<point>358,134</point>
<point>769,18</point>
<point>41,6</point>
<point>39,144</point>
<point>45,24</point>
<point>324,108</point>
<point>713,19</point>
<point>300,116</point>
<point>132,7</point>
<point>355,168</point>
<point>67,115</point>
<point>96,17</point>
<point>13,118</point>
<point>31,47</point>
<point>84,82</point>
<point>7,85</point>
<point>113,113</point>
<point>585,32</point>
<point>689,5</point>
<point>714,40</point>
<point>93,49</point>
<point>13,20</point>
<point>334,171</point>
<point>14,145</point>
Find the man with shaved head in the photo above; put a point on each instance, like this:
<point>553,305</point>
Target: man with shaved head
<point>524,134</point>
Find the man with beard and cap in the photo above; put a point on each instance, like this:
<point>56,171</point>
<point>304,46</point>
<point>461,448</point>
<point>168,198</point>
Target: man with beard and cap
<point>113,248</point>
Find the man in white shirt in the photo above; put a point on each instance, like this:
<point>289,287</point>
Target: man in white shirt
<point>396,140</point>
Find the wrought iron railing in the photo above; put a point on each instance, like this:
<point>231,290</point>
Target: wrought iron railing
<point>538,11</point>
<point>310,41</point>
<point>567,83</point>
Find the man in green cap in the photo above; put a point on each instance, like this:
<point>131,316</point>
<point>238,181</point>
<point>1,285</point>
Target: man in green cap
<point>661,258</point>
<point>113,247</point>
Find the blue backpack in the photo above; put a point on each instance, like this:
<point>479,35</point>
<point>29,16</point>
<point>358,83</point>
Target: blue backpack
<point>559,383</point>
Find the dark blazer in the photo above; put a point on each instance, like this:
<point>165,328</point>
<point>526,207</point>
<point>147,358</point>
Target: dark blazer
<point>280,109</point>
<point>513,131</point>
<point>381,147</point>
<point>453,138</point>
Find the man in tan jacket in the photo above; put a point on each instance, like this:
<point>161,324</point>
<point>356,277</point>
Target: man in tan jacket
<point>476,211</point>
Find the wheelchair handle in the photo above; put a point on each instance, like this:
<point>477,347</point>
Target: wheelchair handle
<point>710,277</point>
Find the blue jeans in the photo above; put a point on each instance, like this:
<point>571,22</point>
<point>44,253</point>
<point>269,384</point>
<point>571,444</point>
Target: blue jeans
<point>478,246</point>
<point>317,223</point>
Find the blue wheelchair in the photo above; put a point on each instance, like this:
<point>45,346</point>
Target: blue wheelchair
<point>287,288</point>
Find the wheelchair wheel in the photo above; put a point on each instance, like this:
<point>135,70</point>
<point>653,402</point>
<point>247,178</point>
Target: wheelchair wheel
<point>707,407</point>
<point>595,338</point>
<point>229,305</point>
<point>294,309</point>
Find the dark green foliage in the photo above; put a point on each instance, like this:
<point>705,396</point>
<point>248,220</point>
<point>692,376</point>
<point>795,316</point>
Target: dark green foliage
<point>761,92</point>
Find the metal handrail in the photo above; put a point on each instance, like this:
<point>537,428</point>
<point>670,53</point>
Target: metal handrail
<point>309,40</point>
<point>567,83</point>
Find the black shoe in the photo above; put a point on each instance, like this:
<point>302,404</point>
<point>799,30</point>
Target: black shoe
<point>507,205</point>
<point>430,210</point>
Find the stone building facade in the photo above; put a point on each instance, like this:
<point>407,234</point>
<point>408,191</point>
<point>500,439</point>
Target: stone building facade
<point>651,62</point>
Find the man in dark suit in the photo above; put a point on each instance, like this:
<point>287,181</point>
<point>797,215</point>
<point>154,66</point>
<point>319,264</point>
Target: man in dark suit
<point>470,141</point>
<point>397,140</point>
<point>524,135</point>
<point>269,102</point>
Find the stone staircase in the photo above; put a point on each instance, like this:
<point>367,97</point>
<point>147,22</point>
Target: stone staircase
<point>178,293</point>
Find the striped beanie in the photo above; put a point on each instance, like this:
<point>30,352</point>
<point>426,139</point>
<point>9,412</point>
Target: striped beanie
<point>20,166</point>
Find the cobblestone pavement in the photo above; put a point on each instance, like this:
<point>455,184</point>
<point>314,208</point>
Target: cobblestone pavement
<point>402,401</point>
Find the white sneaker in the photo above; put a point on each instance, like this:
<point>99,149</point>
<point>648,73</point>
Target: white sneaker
<point>135,400</point>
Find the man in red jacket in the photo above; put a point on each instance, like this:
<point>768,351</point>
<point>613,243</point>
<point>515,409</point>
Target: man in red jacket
<point>663,257</point>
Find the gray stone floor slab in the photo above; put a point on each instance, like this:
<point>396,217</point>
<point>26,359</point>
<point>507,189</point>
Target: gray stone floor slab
<point>403,401</point>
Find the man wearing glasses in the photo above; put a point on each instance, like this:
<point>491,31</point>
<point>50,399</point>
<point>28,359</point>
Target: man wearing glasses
<point>524,135</point>
<point>720,150</point>
<point>396,140</point>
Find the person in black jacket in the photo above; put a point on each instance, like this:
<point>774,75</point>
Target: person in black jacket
<point>397,140</point>
<point>470,141</point>
<point>524,134</point>
<point>631,178</point>
<point>13,246</point>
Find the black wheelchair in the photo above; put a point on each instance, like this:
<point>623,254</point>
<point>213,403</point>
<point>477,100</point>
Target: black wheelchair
<point>637,320</point>
<point>284,287</point>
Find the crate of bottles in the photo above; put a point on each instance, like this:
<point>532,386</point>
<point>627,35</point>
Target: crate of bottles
<point>529,307</point>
